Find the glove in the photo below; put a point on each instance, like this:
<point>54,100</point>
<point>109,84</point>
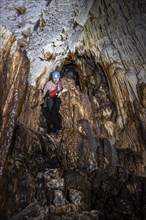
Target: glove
<point>62,91</point>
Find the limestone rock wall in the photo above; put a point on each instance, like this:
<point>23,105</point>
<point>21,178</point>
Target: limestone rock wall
<point>123,60</point>
<point>13,76</point>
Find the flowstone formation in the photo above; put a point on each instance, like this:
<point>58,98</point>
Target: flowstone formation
<point>96,168</point>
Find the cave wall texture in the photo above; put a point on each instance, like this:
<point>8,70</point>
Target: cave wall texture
<point>96,168</point>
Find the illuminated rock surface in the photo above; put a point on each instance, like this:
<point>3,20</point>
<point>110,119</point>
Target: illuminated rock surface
<point>96,168</point>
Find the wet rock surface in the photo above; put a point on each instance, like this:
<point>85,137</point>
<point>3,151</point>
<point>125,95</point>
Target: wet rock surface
<point>95,168</point>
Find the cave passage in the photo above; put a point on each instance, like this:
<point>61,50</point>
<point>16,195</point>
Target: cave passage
<point>95,169</point>
<point>84,173</point>
<point>68,71</point>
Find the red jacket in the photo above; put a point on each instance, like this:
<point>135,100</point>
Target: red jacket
<point>53,93</point>
<point>51,89</point>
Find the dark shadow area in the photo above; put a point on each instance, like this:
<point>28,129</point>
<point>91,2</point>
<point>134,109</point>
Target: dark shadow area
<point>45,119</point>
<point>70,72</point>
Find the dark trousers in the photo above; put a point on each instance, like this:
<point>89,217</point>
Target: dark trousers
<point>53,104</point>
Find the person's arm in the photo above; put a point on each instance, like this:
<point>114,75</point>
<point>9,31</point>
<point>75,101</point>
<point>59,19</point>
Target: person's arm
<point>62,91</point>
<point>45,90</point>
<point>60,87</point>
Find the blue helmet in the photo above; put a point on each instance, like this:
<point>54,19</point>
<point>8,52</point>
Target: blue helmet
<point>55,74</point>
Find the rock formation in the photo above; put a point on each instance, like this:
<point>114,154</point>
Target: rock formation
<point>96,167</point>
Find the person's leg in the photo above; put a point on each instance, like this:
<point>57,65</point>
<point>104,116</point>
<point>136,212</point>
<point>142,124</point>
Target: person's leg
<point>53,107</point>
<point>53,104</point>
<point>57,103</point>
<point>54,118</point>
<point>49,102</point>
<point>52,114</point>
<point>57,106</point>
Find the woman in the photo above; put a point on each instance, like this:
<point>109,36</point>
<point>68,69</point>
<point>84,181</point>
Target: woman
<point>50,93</point>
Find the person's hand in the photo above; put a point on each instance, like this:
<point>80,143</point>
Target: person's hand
<point>62,91</point>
